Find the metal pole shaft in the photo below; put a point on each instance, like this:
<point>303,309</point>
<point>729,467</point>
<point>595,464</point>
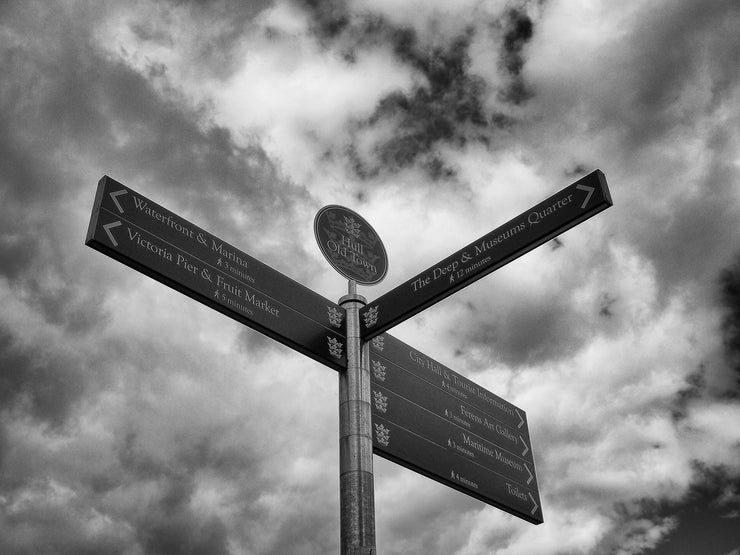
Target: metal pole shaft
<point>356,491</point>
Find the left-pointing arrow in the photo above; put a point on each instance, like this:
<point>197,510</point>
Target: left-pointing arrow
<point>107,228</point>
<point>114,195</point>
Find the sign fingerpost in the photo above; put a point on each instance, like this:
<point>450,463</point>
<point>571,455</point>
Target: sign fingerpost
<point>394,400</point>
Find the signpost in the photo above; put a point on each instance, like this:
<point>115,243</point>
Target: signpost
<point>393,400</point>
<point>577,202</point>
<point>435,421</point>
<point>149,238</point>
<point>353,248</point>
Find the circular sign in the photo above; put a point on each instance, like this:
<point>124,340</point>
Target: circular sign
<point>350,244</point>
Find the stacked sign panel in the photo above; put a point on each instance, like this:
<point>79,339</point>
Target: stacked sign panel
<point>435,421</point>
<point>153,240</point>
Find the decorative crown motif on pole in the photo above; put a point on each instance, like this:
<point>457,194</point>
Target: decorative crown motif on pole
<point>335,347</point>
<point>378,370</point>
<point>352,227</point>
<point>371,317</point>
<point>335,316</point>
<point>382,434</point>
<point>381,401</point>
<point>378,342</point>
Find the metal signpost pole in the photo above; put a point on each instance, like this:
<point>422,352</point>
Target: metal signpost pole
<point>357,498</point>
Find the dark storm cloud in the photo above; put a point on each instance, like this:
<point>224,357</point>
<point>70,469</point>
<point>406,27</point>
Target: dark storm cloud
<point>93,518</point>
<point>329,17</point>
<point>71,111</point>
<point>170,527</point>
<point>255,343</point>
<point>673,46</point>
<point>45,384</point>
<point>448,108</point>
<point>62,95</point>
<point>694,387</point>
<point>694,223</point>
<point>518,31</point>
<point>215,44</point>
<point>199,164</point>
<point>730,298</point>
<point>37,524</point>
<point>699,516</point>
<point>66,93</point>
<point>200,449</point>
<point>171,522</point>
<point>16,252</point>
<point>530,333</point>
<point>666,87</point>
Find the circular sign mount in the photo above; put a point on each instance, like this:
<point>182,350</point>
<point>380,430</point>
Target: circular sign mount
<point>350,244</point>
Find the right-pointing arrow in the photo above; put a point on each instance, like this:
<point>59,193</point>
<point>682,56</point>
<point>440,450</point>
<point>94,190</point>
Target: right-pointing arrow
<point>528,472</point>
<point>536,506</point>
<point>526,448</point>
<point>589,191</point>
<point>521,420</point>
<point>107,228</point>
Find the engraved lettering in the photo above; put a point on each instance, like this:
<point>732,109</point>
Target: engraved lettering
<point>483,395</point>
<point>493,453</point>
<point>418,283</point>
<point>143,206</point>
<point>516,492</point>
<point>353,251</point>
<point>470,416</point>
<point>233,257</point>
<point>536,216</point>
<point>186,264</point>
<point>487,244</point>
<point>148,245</point>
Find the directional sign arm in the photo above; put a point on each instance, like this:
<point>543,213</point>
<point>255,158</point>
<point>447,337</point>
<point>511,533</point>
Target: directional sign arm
<point>562,211</point>
<point>438,423</point>
<point>154,241</point>
<point>442,465</point>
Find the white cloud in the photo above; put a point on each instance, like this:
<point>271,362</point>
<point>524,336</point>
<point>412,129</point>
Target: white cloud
<point>132,411</point>
<point>298,95</point>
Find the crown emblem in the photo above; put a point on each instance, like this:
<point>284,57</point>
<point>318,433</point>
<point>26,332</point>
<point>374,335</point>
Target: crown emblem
<point>335,347</point>
<point>352,227</point>
<point>382,434</point>
<point>378,370</point>
<point>378,342</point>
<point>371,317</point>
<point>335,316</point>
<point>381,401</point>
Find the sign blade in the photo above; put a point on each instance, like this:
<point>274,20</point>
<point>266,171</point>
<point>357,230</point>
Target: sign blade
<point>562,211</point>
<point>438,423</point>
<point>146,237</point>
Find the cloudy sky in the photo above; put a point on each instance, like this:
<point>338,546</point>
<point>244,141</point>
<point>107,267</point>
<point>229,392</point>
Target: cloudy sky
<point>134,420</point>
